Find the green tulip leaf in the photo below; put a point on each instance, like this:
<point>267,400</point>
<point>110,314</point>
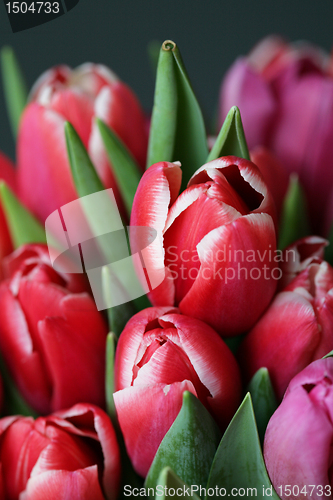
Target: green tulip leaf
<point>124,167</point>
<point>15,89</point>
<point>177,130</point>
<point>328,355</point>
<point>164,116</point>
<point>23,226</point>
<point>189,446</point>
<point>170,485</point>
<point>231,139</point>
<point>263,399</point>
<point>238,463</point>
<point>191,139</point>
<point>85,177</point>
<point>111,342</point>
<point>294,219</point>
<point>329,248</point>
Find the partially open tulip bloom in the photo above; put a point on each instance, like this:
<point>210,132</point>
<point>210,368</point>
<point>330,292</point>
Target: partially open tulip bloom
<point>78,96</point>
<point>296,329</point>
<point>218,238</point>
<point>52,337</point>
<point>161,354</point>
<point>285,95</point>
<point>72,454</point>
<point>298,439</point>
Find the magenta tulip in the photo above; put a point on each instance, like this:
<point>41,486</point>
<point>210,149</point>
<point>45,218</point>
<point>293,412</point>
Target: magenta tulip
<point>218,238</point>
<point>77,96</point>
<point>295,330</point>
<point>72,454</point>
<point>52,337</point>
<point>285,95</point>
<point>161,354</point>
<point>298,439</point>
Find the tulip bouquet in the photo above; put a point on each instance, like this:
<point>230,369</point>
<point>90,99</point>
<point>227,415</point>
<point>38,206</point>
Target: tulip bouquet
<point>166,325</point>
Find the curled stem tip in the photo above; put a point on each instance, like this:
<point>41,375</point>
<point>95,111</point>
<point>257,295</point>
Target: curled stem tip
<point>169,45</point>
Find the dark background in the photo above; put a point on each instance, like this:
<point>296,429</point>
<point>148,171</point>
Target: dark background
<point>209,33</point>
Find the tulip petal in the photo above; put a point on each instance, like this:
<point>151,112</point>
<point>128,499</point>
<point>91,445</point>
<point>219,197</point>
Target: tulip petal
<point>213,363</point>
<point>236,273</point>
<point>286,335</point>
<point>23,361</point>
<point>41,141</point>
<point>297,443</point>
<point>158,188</point>
<point>246,88</point>
<point>77,108</point>
<point>157,407</point>
<point>80,344</point>
<point>77,485</point>
<point>131,338</point>
<point>100,423</point>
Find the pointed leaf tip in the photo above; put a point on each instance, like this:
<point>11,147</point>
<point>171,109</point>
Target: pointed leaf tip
<point>189,446</point>
<point>231,139</point>
<point>23,226</point>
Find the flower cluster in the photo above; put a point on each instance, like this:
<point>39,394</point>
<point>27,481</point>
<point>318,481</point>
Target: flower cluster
<point>214,330</point>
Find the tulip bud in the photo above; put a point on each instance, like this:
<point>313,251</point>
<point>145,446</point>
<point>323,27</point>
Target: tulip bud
<point>49,324</point>
<point>161,354</point>
<point>218,238</point>
<point>298,439</point>
<point>295,330</point>
<point>77,96</point>
<point>71,454</point>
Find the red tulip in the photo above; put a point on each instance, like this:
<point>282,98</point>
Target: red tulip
<point>77,96</point>
<point>295,330</point>
<point>72,454</point>
<point>218,238</point>
<point>160,355</point>
<point>7,174</point>
<point>52,337</point>
<point>285,95</point>
<point>298,439</point>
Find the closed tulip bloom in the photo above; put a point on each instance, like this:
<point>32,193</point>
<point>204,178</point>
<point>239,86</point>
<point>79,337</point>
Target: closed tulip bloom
<point>285,95</point>
<point>52,337</point>
<point>78,96</point>
<point>72,454</point>
<point>295,330</point>
<point>298,439</point>
<point>161,354</point>
<point>218,238</point>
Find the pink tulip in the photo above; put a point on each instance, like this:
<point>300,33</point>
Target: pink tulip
<point>218,238</point>
<point>285,95</point>
<point>295,330</point>
<point>298,439</point>
<point>77,96</point>
<point>72,454</point>
<point>160,355</point>
<point>7,174</point>
<point>52,337</point>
